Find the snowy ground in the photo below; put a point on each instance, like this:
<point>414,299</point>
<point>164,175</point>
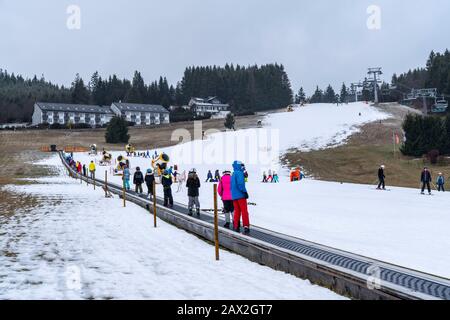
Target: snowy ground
<point>399,226</point>
<point>79,245</point>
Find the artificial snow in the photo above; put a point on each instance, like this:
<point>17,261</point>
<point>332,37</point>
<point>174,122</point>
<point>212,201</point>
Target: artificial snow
<point>400,226</point>
<point>77,244</point>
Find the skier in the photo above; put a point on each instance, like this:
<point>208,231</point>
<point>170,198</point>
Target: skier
<point>240,196</point>
<point>217,176</point>
<point>426,179</point>
<point>244,170</point>
<point>138,180</point>
<point>270,177</point>
<point>149,181</point>
<point>209,177</point>
<point>166,181</point>
<point>193,186</point>
<point>92,169</point>
<point>224,191</point>
<point>126,177</point>
<point>381,177</point>
<point>180,180</point>
<point>440,181</point>
<point>84,170</point>
<point>275,178</point>
<point>264,177</point>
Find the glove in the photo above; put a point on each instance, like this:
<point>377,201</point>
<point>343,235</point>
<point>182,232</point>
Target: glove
<point>246,195</point>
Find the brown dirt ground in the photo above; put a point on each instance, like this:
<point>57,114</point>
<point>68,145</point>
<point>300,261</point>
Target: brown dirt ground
<point>359,159</point>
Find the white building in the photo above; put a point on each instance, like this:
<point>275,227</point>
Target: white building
<point>64,114</point>
<point>211,105</point>
<point>141,114</point>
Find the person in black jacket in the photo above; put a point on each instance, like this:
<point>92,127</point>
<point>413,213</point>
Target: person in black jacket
<point>381,177</point>
<point>138,180</point>
<point>193,186</point>
<point>149,181</point>
<point>425,178</point>
<point>166,181</point>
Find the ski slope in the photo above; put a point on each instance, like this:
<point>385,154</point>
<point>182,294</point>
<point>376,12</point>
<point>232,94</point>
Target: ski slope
<point>78,245</point>
<point>400,226</point>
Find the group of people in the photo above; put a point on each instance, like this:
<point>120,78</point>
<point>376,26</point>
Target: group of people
<point>426,180</point>
<point>232,191</point>
<point>80,168</point>
<point>271,177</point>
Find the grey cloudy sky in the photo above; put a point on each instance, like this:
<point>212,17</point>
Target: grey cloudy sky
<point>319,42</point>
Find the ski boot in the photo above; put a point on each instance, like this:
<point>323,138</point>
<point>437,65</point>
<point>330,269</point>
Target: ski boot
<point>227,225</point>
<point>246,230</point>
<point>190,213</point>
<point>198,212</point>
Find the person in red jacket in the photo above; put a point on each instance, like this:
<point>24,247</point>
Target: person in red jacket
<point>224,191</point>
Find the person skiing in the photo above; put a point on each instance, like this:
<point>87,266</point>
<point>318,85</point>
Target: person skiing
<point>224,191</point>
<point>149,181</point>
<point>440,181</point>
<point>209,177</point>
<point>381,177</point>
<point>92,169</point>
<point>166,181</point>
<point>264,177</point>
<point>239,195</point>
<point>217,176</point>
<point>138,180</point>
<point>126,177</point>
<point>426,179</point>
<point>275,178</point>
<point>193,186</point>
<point>270,177</point>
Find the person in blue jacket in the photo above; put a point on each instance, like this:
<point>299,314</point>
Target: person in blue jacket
<point>126,177</point>
<point>440,181</point>
<point>240,195</point>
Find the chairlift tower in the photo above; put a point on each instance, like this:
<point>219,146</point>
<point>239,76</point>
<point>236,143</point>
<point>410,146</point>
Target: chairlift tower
<point>375,72</point>
<point>354,87</point>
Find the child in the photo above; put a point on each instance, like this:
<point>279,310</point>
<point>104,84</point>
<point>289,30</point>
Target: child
<point>440,182</point>
<point>264,177</point>
<point>166,181</point>
<point>275,178</point>
<point>149,181</point>
<point>224,191</point>
<point>126,177</point>
<point>209,177</point>
<point>193,186</point>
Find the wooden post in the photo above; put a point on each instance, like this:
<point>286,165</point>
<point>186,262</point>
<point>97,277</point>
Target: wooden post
<point>216,223</point>
<point>93,178</point>
<point>124,194</point>
<point>106,183</point>
<point>154,203</point>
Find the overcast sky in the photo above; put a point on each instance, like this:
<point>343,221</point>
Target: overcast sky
<point>319,42</point>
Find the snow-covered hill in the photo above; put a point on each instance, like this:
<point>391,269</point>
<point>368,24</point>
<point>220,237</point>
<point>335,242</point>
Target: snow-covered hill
<point>398,226</point>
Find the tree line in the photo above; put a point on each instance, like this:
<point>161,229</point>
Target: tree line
<point>247,89</point>
<point>424,134</point>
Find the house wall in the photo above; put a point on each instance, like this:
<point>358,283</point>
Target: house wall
<point>37,116</point>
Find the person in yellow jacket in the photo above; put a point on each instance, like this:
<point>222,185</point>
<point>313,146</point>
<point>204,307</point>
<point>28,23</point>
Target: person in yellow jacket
<point>92,169</point>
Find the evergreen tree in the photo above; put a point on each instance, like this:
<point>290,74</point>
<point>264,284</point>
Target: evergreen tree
<point>344,93</point>
<point>300,97</point>
<point>329,95</point>
<point>80,94</point>
<point>317,97</point>
<point>229,121</point>
<point>117,131</point>
<point>138,91</point>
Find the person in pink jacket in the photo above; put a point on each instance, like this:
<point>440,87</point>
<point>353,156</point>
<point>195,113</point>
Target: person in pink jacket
<point>224,191</point>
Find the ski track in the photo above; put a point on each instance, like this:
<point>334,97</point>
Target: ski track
<point>78,245</point>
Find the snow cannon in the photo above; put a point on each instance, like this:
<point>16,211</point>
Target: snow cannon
<point>290,109</point>
<point>121,163</point>
<point>106,160</point>
<point>93,150</point>
<point>159,164</point>
<point>129,148</point>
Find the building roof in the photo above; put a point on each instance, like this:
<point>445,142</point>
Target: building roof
<point>140,107</point>
<point>64,107</point>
